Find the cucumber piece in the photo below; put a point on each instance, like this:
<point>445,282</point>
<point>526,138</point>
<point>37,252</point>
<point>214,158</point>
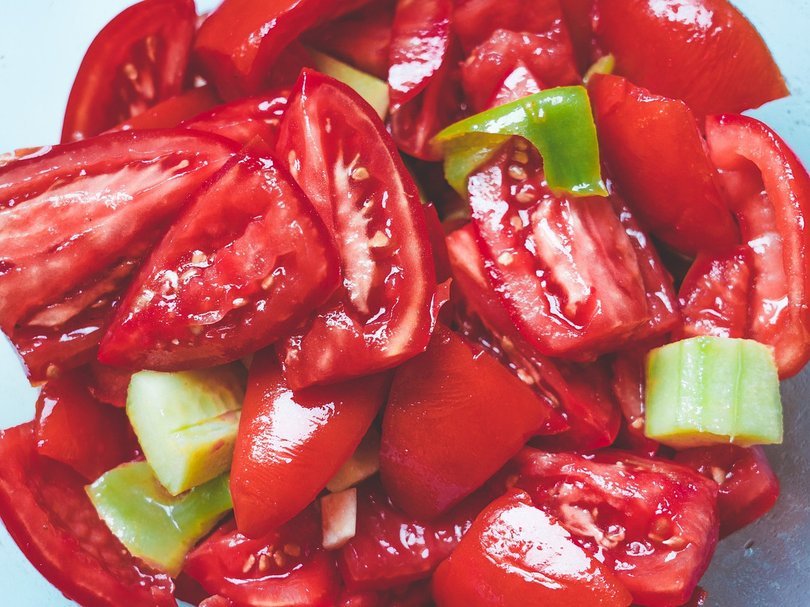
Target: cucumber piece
<point>155,526</point>
<point>372,89</point>
<point>709,390</point>
<point>186,422</point>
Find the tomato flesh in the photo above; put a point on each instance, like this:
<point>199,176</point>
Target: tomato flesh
<point>174,110</point>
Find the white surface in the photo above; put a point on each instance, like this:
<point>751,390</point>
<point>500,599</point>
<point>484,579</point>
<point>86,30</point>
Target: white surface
<point>41,45</point>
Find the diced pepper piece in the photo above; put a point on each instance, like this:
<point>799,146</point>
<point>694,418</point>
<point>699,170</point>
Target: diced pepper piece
<point>709,390</point>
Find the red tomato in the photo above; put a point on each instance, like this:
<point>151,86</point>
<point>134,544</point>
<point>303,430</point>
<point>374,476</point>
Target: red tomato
<point>391,549</point>
<point>239,43</point>
<point>578,16</point>
<point>229,277</point>
<point>770,192</point>
<point>108,384</point>
<point>216,601</point>
<point>290,444</point>
<point>518,83</point>
<point>74,428</point>
<point>443,434</point>
<point>136,61</point>
<point>652,521</point>
<point>516,555</point>
<point>662,168</point>
<point>441,261</point>
<point>173,111</point>
<point>245,119</point>
<point>284,567</point>
<point>748,486</point>
<point>46,511</point>
<point>545,55</point>
<point>704,52</point>
<point>362,38</point>
<point>115,196</point>
<point>339,152</point>
<point>629,390</point>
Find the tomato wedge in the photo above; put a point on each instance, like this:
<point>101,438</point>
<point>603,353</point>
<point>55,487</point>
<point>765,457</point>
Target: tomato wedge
<point>108,384</point>
<point>516,555</point>
<point>74,428</point>
<point>174,110</point>
<point>284,567</point>
<point>115,196</point>
<point>46,511</point>
<point>653,522</point>
<point>704,52</point>
<point>338,151</point>
<point>291,443</point>
<point>662,169</point>
<point>136,61</point>
<point>443,432</point>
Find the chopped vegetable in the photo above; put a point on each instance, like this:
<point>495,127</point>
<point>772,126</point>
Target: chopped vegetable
<point>364,463</point>
<point>339,516</point>
<point>372,89</point>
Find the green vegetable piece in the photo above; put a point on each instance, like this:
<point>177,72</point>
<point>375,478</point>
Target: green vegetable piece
<point>153,525</point>
<point>603,65</point>
<point>709,390</point>
<point>372,89</point>
<point>558,122</point>
<point>186,422</point>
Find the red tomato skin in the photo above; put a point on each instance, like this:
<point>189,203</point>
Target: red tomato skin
<point>516,555</point>
<point>628,385</point>
<point>227,278</point>
<point>108,384</point>
<point>655,522</point>
<point>46,511</point>
<point>777,208</point>
<point>443,434</point>
<point>239,42</point>
<point>290,444</point>
<point>58,286</point>
<point>748,486</point>
<point>285,567</point>
<point>578,16</point>
<point>392,549</point>
<point>704,52</point>
<point>658,158</point>
<point>74,428</point>
<point>151,36</point>
<point>174,110</point>
<point>375,321</point>
<point>441,260</point>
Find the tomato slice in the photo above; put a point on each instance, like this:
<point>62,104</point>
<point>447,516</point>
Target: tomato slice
<point>627,369</point>
<point>290,444</point>
<point>704,52</point>
<point>115,196</point>
<point>391,549</point>
<point>229,277</point>
<point>441,261</point>
<point>136,61</point>
<point>239,43</point>
<point>245,119</point>
<point>338,150</point>
<point>442,435</point>
<point>108,384</point>
<point>662,169</point>
<point>748,486</point>
<point>74,428</point>
<point>174,110</point>
<point>284,567</point>
<point>518,83</point>
<point>46,511</point>
<point>516,555</point>
<point>770,192</point>
<point>578,17</point>
<point>653,522</point>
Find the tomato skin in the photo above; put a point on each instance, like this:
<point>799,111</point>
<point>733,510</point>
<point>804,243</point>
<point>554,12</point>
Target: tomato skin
<point>108,384</point>
<point>655,522</point>
<point>284,567</point>
<point>59,285</point>
<point>45,509</point>
<point>391,549</point>
<point>136,61</point>
<point>516,555</point>
<point>704,52</point>
<point>74,428</point>
<point>443,435</point>
<point>769,189</point>
<point>748,486</point>
<point>220,285</point>
<point>662,168</point>
<point>290,444</point>
<point>578,17</point>
<point>174,110</point>
<point>381,316</point>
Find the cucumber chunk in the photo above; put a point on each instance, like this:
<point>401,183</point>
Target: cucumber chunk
<point>372,89</point>
<point>709,390</point>
<point>186,422</point>
<point>155,526</point>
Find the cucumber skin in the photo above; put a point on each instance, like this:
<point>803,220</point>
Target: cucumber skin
<point>712,390</point>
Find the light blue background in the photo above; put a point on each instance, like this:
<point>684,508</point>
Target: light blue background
<point>41,45</point>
